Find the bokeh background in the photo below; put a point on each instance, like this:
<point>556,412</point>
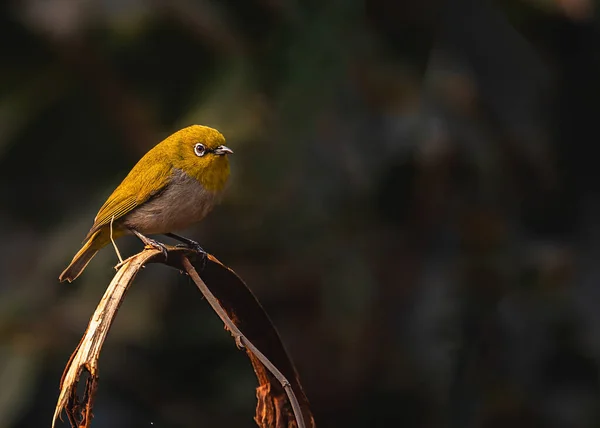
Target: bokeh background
<point>414,200</point>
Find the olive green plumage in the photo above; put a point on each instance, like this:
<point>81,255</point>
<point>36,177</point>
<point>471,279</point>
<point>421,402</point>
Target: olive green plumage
<point>171,187</point>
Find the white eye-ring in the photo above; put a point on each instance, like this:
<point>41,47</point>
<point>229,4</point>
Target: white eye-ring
<point>199,149</point>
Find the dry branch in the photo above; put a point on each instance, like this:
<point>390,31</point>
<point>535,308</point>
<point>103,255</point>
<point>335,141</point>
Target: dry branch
<point>273,407</point>
<point>85,357</point>
<point>243,342</point>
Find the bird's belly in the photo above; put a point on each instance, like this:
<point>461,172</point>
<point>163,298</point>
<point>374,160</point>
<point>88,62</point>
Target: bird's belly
<point>183,203</point>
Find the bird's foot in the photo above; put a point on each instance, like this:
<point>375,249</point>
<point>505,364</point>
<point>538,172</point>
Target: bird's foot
<point>152,243</point>
<point>192,246</point>
<point>196,248</point>
<point>186,243</point>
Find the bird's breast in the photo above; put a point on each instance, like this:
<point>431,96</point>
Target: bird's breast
<point>183,202</point>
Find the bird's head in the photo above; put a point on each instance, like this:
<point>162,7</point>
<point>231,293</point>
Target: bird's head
<point>201,152</point>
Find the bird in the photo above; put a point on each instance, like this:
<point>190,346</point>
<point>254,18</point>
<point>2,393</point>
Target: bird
<point>174,185</point>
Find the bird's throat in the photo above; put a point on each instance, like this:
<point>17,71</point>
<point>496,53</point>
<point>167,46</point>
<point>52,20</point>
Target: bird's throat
<point>214,176</point>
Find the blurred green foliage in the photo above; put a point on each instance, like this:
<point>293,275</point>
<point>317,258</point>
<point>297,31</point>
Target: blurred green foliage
<point>413,201</point>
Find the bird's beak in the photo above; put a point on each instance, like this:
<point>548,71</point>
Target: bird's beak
<point>223,150</point>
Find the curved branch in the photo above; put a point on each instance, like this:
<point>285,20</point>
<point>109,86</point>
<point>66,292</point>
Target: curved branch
<point>86,355</point>
<point>85,358</point>
<point>242,341</point>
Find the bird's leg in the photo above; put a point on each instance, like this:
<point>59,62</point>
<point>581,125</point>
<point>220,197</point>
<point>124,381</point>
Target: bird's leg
<point>188,242</point>
<point>151,242</point>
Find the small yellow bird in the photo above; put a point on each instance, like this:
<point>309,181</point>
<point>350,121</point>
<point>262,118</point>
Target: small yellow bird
<point>171,187</point>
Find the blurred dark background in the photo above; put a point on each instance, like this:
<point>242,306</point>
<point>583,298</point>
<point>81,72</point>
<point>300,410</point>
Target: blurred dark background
<point>414,200</point>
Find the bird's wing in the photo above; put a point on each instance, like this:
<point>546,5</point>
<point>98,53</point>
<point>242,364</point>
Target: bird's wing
<point>146,180</point>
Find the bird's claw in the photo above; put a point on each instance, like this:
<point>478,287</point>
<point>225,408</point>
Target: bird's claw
<point>151,243</point>
<point>192,245</point>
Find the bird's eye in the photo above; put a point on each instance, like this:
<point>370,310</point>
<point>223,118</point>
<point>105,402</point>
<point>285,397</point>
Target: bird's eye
<point>199,149</point>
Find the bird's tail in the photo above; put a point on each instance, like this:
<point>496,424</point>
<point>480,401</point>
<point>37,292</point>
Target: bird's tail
<point>83,257</point>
